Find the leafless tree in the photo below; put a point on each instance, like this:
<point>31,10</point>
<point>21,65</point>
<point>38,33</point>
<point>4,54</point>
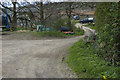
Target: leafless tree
<point>15,11</point>
<point>44,12</point>
<point>40,12</point>
<point>14,19</point>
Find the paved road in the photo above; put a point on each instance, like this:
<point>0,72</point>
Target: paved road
<point>37,58</point>
<point>88,31</point>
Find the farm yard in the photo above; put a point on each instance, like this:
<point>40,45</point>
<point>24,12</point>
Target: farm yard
<point>60,39</point>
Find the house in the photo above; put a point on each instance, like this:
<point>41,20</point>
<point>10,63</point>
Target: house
<point>81,13</point>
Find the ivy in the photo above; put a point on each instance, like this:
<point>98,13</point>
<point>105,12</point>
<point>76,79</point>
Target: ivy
<point>108,28</point>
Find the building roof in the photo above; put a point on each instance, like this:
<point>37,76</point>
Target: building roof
<point>89,13</point>
<point>82,12</point>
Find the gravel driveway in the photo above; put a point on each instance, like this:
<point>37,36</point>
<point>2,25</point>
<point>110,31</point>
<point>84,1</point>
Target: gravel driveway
<point>37,58</point>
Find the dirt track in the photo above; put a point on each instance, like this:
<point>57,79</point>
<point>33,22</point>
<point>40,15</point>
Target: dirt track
<point>37,58</point>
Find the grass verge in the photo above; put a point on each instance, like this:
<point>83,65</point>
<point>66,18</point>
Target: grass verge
<point>84,61</point>
<point>49,34</point>
<point>57,34</point>
<point>92,26</point>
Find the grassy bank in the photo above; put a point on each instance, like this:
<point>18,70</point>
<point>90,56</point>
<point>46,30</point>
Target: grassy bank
<point>57,34</point>
<point>84,61</point>
<point>90,25</point>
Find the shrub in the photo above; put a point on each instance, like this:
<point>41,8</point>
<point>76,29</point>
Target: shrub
<point>108,27</point>
<point>60,22</point>
<point>63,22</point>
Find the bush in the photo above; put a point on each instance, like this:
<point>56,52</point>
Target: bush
<point>60,22</point>
<point>108,27</point>
<point>63,22</point>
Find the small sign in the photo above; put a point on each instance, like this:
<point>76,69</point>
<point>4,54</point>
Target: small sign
<point>41,28</point>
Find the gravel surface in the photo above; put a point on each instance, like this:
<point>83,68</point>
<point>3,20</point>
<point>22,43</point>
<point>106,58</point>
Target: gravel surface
<point>37,58</point>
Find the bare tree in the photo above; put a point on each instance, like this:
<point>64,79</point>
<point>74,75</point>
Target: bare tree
<point>14,23</point>
<point>13,10</point>
<point>69,11</point>
<point>14,18</point>
<point>16,12</point>
<point>43,12</point>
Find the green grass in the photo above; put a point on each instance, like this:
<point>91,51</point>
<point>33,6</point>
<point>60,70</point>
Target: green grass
<point>79,33</point>
<point>20,28</point>
<point>87,64</point>
<point>75,21</point>
<point>50,34</point>
<point>57,34</point>
<point>6,29</point>
<point>91,26</point>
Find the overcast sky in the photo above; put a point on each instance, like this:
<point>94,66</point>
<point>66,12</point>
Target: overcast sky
<point>63,0</point>
<point>30,0</point>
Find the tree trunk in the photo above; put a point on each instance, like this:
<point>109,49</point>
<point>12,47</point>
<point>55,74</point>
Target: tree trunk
<point>26,24</point>
<point>69,23</point>
<point>69,15</point>
<point>14,22</point>
<point>41,13</point>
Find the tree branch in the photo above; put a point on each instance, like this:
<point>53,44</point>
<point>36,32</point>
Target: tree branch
<point>6,7</point>
<point>7,14</point>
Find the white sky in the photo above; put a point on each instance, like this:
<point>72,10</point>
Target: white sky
<point>64,0</point>
<point>30,0</point>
